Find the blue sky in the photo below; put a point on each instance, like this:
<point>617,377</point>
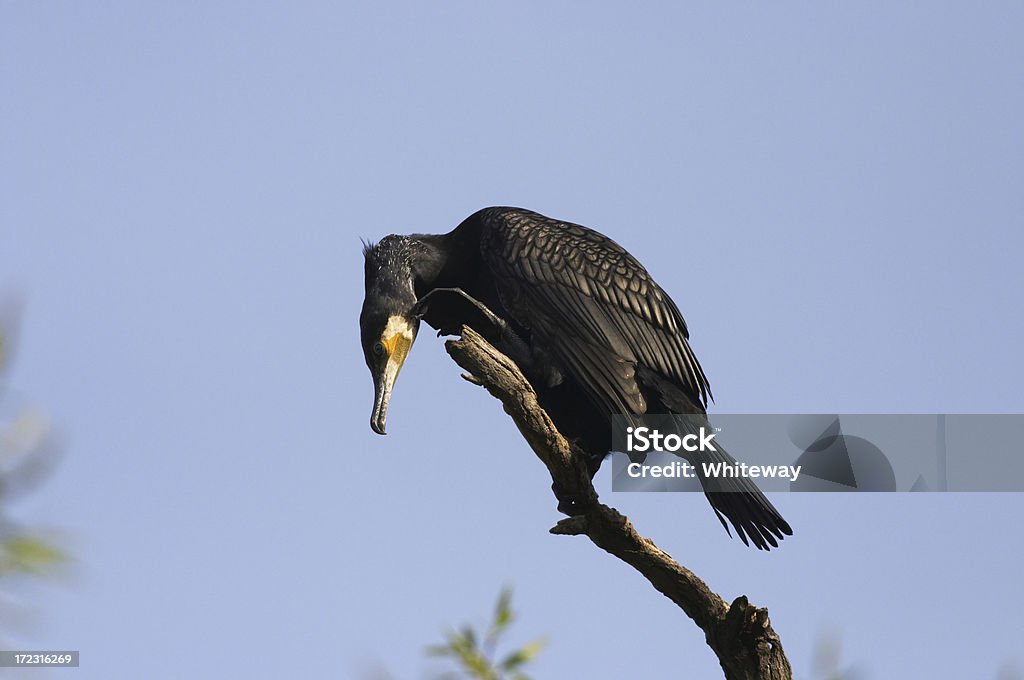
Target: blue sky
<point>832,195</point>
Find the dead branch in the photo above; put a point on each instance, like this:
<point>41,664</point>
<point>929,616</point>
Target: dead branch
<point>740,634</point>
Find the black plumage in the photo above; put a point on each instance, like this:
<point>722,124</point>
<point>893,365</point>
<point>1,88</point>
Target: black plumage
<point>582,318</point>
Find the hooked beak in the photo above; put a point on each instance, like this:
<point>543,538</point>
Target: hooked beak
<point>397,347</point>
<point>383,383</point>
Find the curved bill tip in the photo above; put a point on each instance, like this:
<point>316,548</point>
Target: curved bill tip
<point>379,415</point>
<point>377,423</point>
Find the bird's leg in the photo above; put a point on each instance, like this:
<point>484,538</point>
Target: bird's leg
<point>449,309</point>
<point>569,504</point>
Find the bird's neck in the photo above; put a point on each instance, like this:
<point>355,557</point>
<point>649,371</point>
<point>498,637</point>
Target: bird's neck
<point>445,260</point>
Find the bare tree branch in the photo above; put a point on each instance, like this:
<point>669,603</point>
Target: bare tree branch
<point>740,634</point>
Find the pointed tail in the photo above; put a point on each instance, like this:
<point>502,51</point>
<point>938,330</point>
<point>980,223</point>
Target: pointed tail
<point>740,501</point>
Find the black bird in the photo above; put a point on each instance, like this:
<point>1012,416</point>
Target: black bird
<point>584,321</point>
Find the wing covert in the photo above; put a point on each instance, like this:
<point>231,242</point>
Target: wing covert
<point>594,303</point>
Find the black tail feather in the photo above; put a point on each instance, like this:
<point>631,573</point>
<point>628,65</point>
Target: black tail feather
<point>739,500</point>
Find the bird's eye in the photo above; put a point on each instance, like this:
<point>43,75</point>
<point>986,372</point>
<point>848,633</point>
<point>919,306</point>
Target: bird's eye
<point>378,348</point>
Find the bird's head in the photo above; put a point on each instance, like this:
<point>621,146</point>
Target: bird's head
<point>387,323</point>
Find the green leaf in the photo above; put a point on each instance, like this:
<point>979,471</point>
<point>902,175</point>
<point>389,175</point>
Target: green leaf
<point>28,554</point>
<point>521,656</point>
<point>503,610</point>
<point>474,657</point>
<point>439,650</point>
<point>469,636</point>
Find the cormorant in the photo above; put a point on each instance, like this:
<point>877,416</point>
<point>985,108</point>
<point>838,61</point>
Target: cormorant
<point>581,317</point>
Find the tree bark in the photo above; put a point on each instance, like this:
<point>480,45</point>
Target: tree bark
<point>740,634</point>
